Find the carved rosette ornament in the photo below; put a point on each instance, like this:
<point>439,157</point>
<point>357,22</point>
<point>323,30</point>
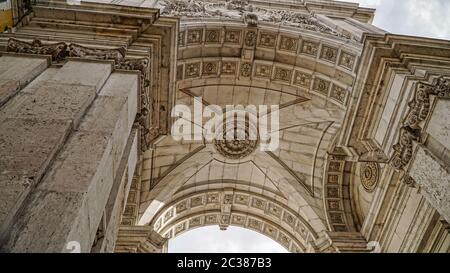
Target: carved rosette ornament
<point>241,145</point>
<point>60,51</point>
<point>243,10</point>
<point>419,110</point>
<point>369,175</point>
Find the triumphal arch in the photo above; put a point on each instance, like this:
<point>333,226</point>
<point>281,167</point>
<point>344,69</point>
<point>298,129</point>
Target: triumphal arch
<point>89,163</point>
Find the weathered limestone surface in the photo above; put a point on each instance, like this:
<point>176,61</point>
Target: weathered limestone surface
<point>27,145</point>
<point>119,192</point>
<point>439,125</point>
<point>434,181</point>
<point>73,194</point>
<point>34,127</point>
<point>16,72</point>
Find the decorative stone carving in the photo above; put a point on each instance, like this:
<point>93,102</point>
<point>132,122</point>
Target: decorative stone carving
<point>212,36</point>
<point>229,68</point>
<point>302,79</point>
<point>58,51</point>
<point>282,74</point>
<point>250,38</point>
<point>263,71</point>
<point>329,54</point>
<point>233,36</point>
<point>310,48</point>
<point>246,69</point>
<point>95,53</point>
<point>267,40</point>
<point>338,94</point>
<point>243,10</point>
<point>288,44</point>
<point>236,149</point>
<point>369,175</point>
<point>210,68</point>
<point>321,86</point>
<point>251,19</point>
<point>419,109</point>
<point>404,148</point>
<point>192,70</point>
<point>347,60</point>
<point>195,36</point>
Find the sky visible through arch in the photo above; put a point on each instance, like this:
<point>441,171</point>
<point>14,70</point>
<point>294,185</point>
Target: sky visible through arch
<point>426,18</point>
<point>211,239</point>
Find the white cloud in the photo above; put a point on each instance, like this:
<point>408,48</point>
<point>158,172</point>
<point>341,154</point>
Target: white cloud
<point>211,239</point>
<point>428,18</point>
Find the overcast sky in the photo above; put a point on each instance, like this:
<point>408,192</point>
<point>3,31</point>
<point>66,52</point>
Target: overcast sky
<point>211,239</point>
<point>429,18</point>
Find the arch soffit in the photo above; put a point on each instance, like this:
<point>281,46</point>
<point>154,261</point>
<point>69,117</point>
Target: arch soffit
<point>228,206</point>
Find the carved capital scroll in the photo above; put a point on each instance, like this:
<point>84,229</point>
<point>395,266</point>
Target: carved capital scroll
<point>58,51</point>
<point>79,51</point>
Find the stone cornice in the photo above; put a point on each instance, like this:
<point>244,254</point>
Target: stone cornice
<point>383,52</point>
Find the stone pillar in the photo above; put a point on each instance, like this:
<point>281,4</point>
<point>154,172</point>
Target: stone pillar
<point>77,122</point>
<point>432,174</point>
<point>427,144</point>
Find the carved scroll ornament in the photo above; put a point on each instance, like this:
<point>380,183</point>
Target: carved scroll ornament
<point>419,110</point>
<point>58,51</point>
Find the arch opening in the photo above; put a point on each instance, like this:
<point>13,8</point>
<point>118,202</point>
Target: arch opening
<point>210,239</point>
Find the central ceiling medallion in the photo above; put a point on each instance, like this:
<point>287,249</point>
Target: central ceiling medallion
<point>236,142</point>
<point>370,174</point>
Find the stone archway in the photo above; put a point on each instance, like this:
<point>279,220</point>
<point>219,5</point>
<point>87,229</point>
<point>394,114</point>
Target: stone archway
<point>231,206</point>
<point>309,73</point>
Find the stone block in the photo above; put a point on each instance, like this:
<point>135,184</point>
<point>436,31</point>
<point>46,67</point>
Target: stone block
<point>53,101</point>
<point>31,142</point>
<point>439,125</point>
<point>85,73</point>
<point>13,190</point>
<point>434,181</point>
<point>51,220</point>
<point>22,69</point>
<point>46,75</point>
<point>109,116</point>
<point>8,88</point>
